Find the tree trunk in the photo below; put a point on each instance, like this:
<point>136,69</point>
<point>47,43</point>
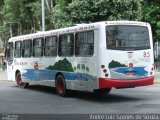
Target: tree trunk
<point>20,28</point>
<point>33,26</point>
<point>48,6</point>
<point>10,30</point>
<point>51,4</point>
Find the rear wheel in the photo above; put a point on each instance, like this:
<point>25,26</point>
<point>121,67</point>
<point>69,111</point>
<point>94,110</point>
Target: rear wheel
<point>61,86</point>
<point>20,83</point>
<point>102,92</point>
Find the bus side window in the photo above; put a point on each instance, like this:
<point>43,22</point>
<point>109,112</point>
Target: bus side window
<point>38,47</point>
<point>17,52</point>
<point>66,45</point>
<point>27,48</point>
<point>84,43</point>
<point>10,52</point>
<point>50,46</point>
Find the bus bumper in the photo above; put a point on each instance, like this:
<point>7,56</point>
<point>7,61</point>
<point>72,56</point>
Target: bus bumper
<point>117,83</point>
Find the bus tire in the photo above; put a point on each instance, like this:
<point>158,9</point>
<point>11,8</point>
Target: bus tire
<point>19,81</point>
<point>102,92</point>
<point>61,86</point>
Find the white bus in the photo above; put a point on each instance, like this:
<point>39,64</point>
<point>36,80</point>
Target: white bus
<point>87,57</point>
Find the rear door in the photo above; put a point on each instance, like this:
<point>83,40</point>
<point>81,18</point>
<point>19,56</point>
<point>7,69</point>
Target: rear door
<point>10,61</point>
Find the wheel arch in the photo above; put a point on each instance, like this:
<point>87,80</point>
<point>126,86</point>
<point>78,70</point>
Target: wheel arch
<point>59,73</point>
<point>17,71</point>
<point>61,91</point>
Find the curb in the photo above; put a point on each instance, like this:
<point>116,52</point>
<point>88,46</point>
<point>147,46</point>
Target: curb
<point>157,82</point>
<point>7,81</point>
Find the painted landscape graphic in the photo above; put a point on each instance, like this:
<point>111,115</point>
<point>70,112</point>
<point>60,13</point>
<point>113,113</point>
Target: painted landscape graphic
<point>62,65</point>
<point>81,67</point>
<point>122,71</point>
<point>115,64</point>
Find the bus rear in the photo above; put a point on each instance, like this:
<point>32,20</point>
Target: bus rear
<point>125,55</point>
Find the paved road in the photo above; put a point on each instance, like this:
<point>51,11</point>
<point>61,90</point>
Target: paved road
<point>43,100</point>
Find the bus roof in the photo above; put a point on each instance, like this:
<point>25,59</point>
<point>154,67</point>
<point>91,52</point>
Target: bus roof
<point>77,28</point>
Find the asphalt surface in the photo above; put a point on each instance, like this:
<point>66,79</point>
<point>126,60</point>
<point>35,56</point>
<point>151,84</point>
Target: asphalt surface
<point>43,102</point>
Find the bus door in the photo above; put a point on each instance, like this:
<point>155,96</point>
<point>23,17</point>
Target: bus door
<point>84,57</point>
<point>10,61</point>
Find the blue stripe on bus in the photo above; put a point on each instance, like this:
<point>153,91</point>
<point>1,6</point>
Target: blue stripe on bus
<point>138,71</point>
<point>32,74</point>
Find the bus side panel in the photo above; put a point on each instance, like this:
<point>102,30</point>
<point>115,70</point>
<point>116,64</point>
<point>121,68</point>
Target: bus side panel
<point>79,72</point>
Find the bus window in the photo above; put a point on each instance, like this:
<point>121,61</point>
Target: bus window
<point>125,37</point>
<point>27,48</point>
<point>10,53</point>
<point>84,43</point>
<point>110,40</point>
<point>50,46</point>
<point>38,47</point>
<point>17,52</point>
<point>66,45</point>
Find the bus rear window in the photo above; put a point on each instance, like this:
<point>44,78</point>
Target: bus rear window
<point>124,37</point>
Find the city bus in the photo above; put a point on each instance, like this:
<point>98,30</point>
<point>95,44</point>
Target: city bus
<point>92,57</point>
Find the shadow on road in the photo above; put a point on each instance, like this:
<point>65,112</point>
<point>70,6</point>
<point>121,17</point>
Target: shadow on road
<point>110,98</point>
<point>87,96</point>
<point>43,89</point>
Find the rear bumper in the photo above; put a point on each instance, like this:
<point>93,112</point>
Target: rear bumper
<point>109,83</point>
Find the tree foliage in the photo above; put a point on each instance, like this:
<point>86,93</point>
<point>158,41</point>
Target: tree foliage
<point>150,13</point>
<point>62,65</point>
<point>84,11</point>
<point>60,15</point>
<point>24,16</point>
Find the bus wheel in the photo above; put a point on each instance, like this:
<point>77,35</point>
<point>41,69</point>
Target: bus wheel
<point>102,92</point>
<point>61,86</point>
<point>20,83</point>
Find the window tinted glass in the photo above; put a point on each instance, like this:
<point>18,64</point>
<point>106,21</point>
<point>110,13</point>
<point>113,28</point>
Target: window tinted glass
<point>85,43</point>
<point>51,46</point>
<point>66,45</point>
<point>10,53</point>
<point>125,37</point>
<point>17,52</point>
<point>38,47</point>
<point>27,48</point>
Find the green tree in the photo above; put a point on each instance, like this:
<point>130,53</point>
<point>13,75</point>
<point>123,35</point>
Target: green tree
<point>78,67</point>
<point>150,13</point>
<point>36,15</point>
<point>16,16</point>
<point>158,31</point>
<point>50,4</point>
<point>59,13</point>
<point>62,65</point>
<point>81,11</point>
<point>115,64</point>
